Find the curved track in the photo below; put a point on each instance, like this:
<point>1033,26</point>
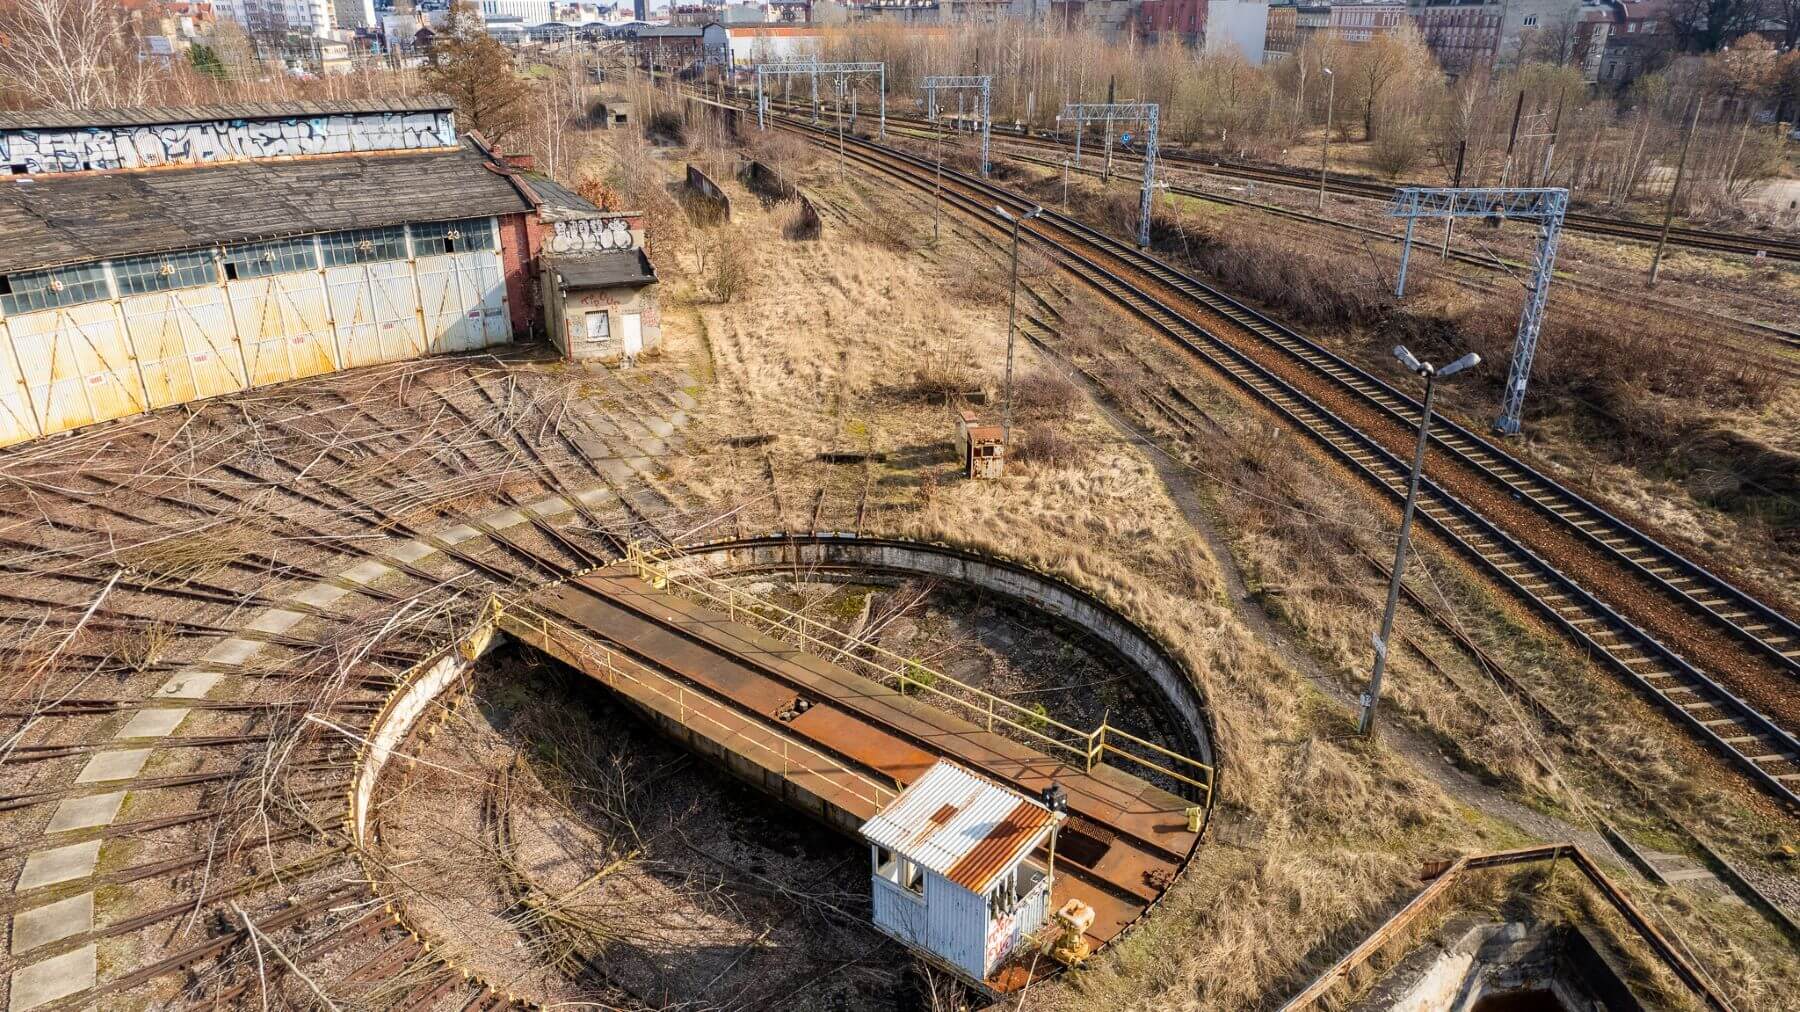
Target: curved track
<point>1719,660</point>
<point>205,607</point>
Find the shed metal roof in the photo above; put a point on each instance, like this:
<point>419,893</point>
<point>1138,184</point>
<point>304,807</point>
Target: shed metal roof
<point>74,119</point>
<point>53,220</point>
<point>960,826</point>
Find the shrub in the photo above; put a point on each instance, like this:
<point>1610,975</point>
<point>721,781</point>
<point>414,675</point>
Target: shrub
<point>918,676</point>
<point>1047,393</point>
<point>1044,445</point>
<point>668,124</point>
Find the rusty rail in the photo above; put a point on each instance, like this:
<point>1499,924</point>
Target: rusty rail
<point>521,620</point>
<point>1690,975</point>
<point>909,675</point>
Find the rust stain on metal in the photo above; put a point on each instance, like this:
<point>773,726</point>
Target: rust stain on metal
<point>1000,847</point>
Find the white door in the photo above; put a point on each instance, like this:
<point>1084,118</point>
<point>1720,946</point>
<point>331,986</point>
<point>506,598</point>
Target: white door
<point>634,334</point>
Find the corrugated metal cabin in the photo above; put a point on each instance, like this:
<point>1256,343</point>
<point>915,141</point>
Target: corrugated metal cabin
<point>952,875</point>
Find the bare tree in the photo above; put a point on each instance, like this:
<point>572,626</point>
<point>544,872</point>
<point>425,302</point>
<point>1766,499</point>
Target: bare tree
<point>71,54</point>
<point>1786,15</point>
<point>476,71</point>
<point>1383,62</point>
<point>1705,25</point>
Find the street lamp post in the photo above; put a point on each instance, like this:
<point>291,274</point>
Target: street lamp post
<point>1366,725</point>
<point>1325,152</point>
<point>1012,317</point>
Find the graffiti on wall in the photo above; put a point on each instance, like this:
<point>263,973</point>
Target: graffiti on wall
<point>590,235</point>
<point>31,152</point>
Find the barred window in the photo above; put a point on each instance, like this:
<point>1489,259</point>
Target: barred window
<point>465,236</point>
<point>261,259</point>
<point>142,275</point>
<point>364,245</point>
<point>61,286</point>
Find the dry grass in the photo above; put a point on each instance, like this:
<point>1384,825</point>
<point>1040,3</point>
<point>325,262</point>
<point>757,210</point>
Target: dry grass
<point>855,343</point>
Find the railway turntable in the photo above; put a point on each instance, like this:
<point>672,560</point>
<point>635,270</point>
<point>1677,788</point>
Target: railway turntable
<point>847,740</point>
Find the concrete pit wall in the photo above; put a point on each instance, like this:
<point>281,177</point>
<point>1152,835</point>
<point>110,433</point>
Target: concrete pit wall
<point>1008,579</point>
<point>772,187</point>
<point>705,200</point>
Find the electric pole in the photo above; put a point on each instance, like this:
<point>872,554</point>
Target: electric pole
<point>1366,724</point>
<point>1012,318</point>
<point>1662,239</point>
<point>1325,152</point>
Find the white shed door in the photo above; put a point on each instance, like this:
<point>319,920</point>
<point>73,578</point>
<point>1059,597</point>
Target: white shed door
<point>633,333</point>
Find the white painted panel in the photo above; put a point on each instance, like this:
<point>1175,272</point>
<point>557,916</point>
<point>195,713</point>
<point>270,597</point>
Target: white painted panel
<point>284,326</point>
<point>471,291</point>
<point>495,321</point>
<point>186,344</point>
<point>353,312</point>
<point>76,365</point>
<point>396,301</point>
<point>898,912</point>
<point>17,421</point>
<point>957,924</point>
<point>447,299</point>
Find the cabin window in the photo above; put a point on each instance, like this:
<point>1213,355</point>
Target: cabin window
<point>1005,895</point>
<point>913,877</point>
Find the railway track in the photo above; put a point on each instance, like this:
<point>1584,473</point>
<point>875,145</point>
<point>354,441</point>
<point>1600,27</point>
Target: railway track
<point>1716,658</point>
<point>1773,246</point>
<point>436,471</point>
<point>1755,334</point>
<point>1764,345</point>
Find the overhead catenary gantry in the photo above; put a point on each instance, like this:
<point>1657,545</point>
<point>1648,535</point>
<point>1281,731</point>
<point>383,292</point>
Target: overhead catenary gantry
<point>1544,205</point>
<point>1147,113</point>
<point>982,86</point>
<point>844,72</point>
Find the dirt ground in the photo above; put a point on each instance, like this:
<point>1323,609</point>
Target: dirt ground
<point>671,883</point>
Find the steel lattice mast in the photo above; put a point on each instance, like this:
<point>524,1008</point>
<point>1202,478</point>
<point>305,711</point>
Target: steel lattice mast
<point>812,69</point>
<point>1109,113</point>
<point>1544,205</point>
<point>983,85</point>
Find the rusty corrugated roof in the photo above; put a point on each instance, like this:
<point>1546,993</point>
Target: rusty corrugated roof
<point>960,826</point>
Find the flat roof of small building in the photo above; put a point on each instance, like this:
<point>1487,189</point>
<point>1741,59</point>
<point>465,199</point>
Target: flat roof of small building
<point>66,218</point>
<point>962,827</point>
<point>604,270</point>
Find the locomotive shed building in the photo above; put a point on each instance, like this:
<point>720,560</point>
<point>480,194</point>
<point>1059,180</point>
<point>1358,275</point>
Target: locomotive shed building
<point>153,257</point>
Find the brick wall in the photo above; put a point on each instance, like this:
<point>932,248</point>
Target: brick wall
<point>521,237</point>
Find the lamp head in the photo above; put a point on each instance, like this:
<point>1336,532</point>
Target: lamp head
<point>1468,361</point>
<point>1408,359</point>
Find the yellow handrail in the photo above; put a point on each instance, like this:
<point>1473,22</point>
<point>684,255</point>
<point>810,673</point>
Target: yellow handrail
<point>524,616</point>
<point>1091,746</point>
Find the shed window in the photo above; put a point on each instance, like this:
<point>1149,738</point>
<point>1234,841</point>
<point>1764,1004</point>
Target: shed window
<point>261,259</point>
<point>464,236</point>
<point>899,871</point>
<point>363,246</point>
<point>60,286</point>
<point>913,877</point>
<point>142,275</point>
